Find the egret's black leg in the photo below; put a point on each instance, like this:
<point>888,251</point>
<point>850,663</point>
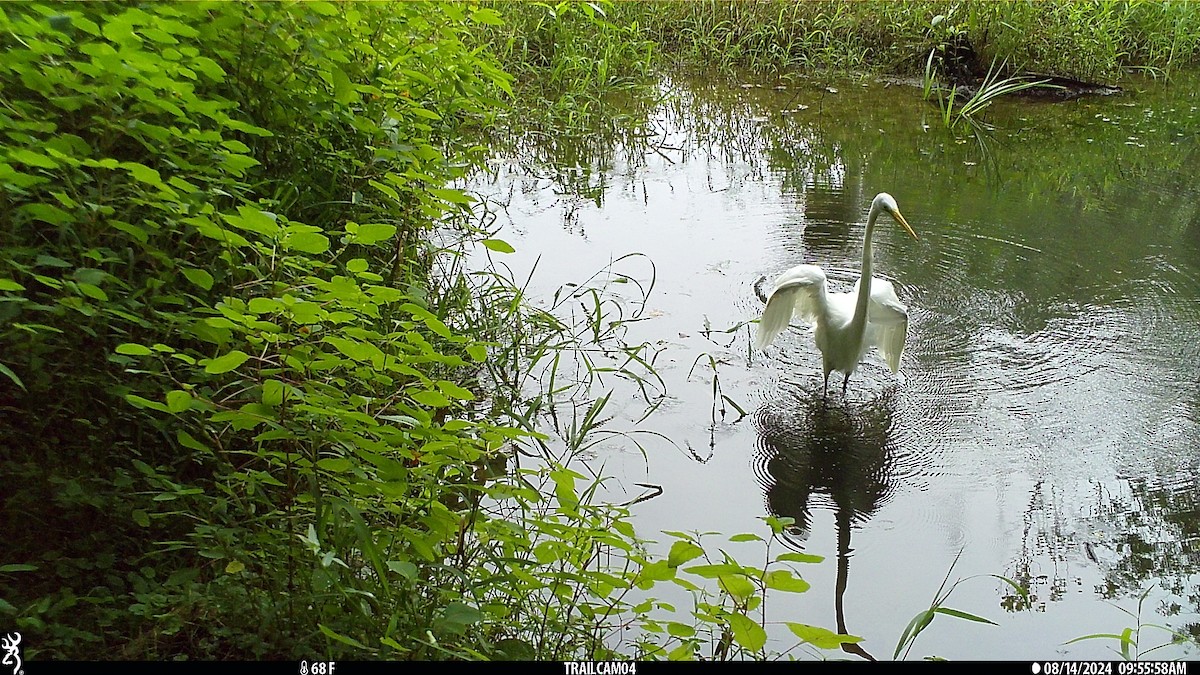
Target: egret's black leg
<point>844,383</point>
<point>825,389</point>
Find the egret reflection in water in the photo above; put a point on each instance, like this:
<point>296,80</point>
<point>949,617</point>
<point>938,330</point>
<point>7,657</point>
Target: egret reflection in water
<point>815,455</point>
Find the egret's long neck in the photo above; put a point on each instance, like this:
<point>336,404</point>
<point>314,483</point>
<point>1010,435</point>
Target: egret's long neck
<point>864,284</point>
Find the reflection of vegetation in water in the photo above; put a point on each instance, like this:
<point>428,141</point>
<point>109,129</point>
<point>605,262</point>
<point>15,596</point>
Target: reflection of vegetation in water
<point>1045,167</point>
<point>1158,523</point>
<point>1131,643</point>
<point>1142,541</point>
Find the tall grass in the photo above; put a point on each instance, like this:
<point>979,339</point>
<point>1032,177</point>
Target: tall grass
<point>1086,40</point>
<point>568,59</point>
<point>955,111</point>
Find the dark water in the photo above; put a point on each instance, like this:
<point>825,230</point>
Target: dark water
<point>1045,425</point>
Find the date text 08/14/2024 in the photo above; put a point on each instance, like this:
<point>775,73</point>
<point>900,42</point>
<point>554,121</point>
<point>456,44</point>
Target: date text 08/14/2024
<point>1109,668</point>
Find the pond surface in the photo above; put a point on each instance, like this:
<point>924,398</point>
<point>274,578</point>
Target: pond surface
<point>1045,424</point>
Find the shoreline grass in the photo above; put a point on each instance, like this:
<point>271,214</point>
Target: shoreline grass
<point>1087,40</point>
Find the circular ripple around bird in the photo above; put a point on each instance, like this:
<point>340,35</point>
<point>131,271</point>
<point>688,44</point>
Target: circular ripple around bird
<point>1016,362</point>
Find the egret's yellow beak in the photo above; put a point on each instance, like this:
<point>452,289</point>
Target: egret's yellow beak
<point>900,219</point>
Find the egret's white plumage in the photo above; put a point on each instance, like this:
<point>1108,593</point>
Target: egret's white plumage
<point>847,324</point>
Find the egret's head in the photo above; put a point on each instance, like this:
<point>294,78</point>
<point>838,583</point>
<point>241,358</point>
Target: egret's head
<point>887,203</point>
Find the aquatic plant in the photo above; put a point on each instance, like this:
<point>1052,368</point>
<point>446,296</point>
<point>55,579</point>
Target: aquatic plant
<point>990,89</point>
<point>938,606</point>
<point>1129,640</point>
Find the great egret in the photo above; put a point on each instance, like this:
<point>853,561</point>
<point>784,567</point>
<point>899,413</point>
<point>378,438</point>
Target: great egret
<point>847,323</point>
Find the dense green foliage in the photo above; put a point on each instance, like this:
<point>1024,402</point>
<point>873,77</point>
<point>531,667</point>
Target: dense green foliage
<point>251,407</point>
<point>223,360</point>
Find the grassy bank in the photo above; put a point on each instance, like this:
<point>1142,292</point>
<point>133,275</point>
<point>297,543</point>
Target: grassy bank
<point>1087,40</point>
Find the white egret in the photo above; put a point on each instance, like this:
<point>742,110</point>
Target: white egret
<point>847,324</point>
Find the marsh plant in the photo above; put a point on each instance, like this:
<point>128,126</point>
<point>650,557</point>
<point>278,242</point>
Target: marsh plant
<point>1083,40</point>
<point>959,106</point>
<point>1129,642</point>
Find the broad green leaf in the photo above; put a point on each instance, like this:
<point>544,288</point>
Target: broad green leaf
<point>821,638</point>
<point>272,392</point>
<point>799,557</point>
<point>343,88</point>
<point>252,219</point>
<point>498,245</point>
<point>178,400</point>
<point>226,363</point>
<point>746,537</point>
<point>450,389</point>
<point>234,567</point>
<point>564,486</point>
<point>139,402</point>
<point>736,585</point>
<point>684,652</point>
<point>51,261</point>
<point>434,324</point>
<point>133,349</point>
<point>17,567</point>
<point>10,285</point>
<point>261,305</point>
<point>683,551</point>
<point>371,233</point>
<point>32,158</point>
<point>680,630</point>
<point>487,16</point>
<point>747,632</point>
<point>199,277</point>
<point>452,196</point>
<point>403,568</point>
<point>784,580</point>
<point>140,517</point>
<point>46,213</point>
<point>93,291</point>
<point>713,571</point>
<point>335,464</point>
<point>209,67</point>
<point>655,571</point>
<point>359,351</point>
<point>188,441</point>
<point>307,242</point>
<point>461,614</point>
<point>142,173</point>
<point>430,398</point>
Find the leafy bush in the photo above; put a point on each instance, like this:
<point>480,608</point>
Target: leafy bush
<point>226,370</point>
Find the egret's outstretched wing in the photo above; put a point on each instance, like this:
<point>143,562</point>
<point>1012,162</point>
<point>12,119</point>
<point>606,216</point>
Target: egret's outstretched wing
<point>800,289</point>
<point>887,322</point>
